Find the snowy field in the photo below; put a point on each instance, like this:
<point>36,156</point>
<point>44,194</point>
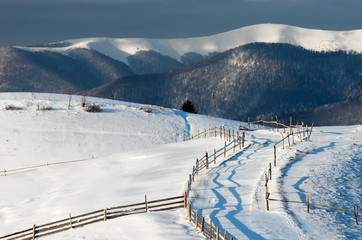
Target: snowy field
<point>129,153</point>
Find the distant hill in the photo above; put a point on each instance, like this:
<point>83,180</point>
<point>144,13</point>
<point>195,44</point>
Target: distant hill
<point>248,81</point>
<point>24,71</point>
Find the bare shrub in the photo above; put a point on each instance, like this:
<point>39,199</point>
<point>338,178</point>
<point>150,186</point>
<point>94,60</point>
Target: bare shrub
<point>148,109</point>
<point>46,108</point>
<point>93,108</point>
<point>11,107</point>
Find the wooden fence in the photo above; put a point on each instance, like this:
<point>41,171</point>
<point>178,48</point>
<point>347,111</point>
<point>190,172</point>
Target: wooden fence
<point>7,172</point>
<point>98,216</point>
<point>268,175</point>
<point>206,228</point>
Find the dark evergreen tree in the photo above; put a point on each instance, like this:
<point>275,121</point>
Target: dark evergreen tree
<point>188,106</point>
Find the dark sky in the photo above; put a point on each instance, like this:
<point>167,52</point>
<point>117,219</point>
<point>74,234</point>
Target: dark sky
<point>27,22</point>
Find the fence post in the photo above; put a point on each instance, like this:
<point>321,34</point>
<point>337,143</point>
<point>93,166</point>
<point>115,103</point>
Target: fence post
<point>203,224</point>
<point>217,233</point>
<point>225,150</point>
<point>4,172</point>
<point>267,198</point>
<point>303,129</point>
<point>210,229</point>
<point>220,132</point>
<point>146,203</point>
<point>189,182</point>
<point>276,118</point>
<point>215,130</point>
<point>189,211</point>
<point>311,129</point>
<point>234,146</point>
<point>249,123</point>
<point>185,200</point>
<point>293,135</point>
<point>197,166</point>
<point>205,133</point>
<point>243,140</point>
<point>197,218</point>
<point>207,160</point>
<point>270,172</point>
<point>225,234</point>
<point>70,221</point>
<point>214,156</point>
<point>356,210</point>
<point>307,203</point>
<point>229,135</point>
<point>275,154</point>
<point>272,123</point>
<point>288,140</point>
<point>34,231</point>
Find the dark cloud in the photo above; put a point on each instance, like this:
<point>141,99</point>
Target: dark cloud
<point>26,22</point>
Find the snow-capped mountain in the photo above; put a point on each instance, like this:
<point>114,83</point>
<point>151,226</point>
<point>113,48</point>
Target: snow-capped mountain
<point>121,48</point>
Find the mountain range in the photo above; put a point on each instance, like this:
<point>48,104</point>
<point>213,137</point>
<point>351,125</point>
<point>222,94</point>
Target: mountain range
<point>262,69</point>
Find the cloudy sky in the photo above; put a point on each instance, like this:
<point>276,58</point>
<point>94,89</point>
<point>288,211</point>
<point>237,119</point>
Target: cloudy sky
<point>28,22</point>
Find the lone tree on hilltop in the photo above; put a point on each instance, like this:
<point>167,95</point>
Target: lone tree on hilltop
<point>188,106</point>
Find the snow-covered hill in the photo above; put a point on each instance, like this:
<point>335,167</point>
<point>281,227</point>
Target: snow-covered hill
<point>119,48</point>
<point>131,153</point>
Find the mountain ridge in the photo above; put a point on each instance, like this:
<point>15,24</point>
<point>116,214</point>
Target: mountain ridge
<point>121,48</point>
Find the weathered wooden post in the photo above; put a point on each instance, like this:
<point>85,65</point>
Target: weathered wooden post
<point>214,156</point>
<point>105,213</point>
<point>190,181</point>
<point>307,203</point>
<point>70,221</point>
<point>243,140</point>
<point>34,231</point>
<point>185,200</point>
<point>225,150</point>
<point>288,140</point>
<point>356,210</point>
<point>210,229</point>
<point>189,211</point>
<point>197,166</point>
<point>276,119</point>
<point>197,218</point>
<point>215,131</point>
<point>234,146</point>
<point>203,224</point>
<point>217,233</point>
<point>275,154</point>
<point>270,171</point>
<point>146,203</point>
<point>310,133</point>
<point>207,160</point>
<point>272,123</point>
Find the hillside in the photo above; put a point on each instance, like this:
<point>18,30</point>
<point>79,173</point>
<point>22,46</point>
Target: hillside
<point>128,153</point>
<point>249,81</point>
<point>81,69</point>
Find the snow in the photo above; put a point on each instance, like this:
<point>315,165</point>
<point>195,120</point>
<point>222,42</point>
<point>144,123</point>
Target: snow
<point>120,48</point>
<point>328,169</point>
<point>129,153</point>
